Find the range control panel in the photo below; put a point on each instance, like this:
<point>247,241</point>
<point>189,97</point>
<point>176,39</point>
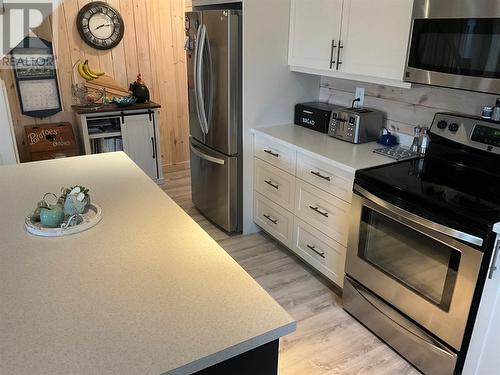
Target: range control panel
<point>471,131</point>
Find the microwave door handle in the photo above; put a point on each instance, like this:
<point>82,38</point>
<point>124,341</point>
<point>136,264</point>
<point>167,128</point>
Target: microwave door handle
<point>202,117</point>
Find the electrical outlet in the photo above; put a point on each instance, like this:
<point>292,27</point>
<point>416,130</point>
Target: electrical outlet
<point>360,93</point>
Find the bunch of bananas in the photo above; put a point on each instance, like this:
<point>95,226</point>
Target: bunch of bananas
<point>86,72</point>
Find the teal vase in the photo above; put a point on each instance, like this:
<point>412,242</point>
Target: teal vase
<point>53,216</point>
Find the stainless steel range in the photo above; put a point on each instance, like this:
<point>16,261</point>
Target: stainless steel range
<point>421,240</point>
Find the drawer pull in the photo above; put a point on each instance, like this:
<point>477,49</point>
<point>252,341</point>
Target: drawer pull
<point>274,185</point>
<point>318,174</point>
<point>316,209</point>
<point>275,154</point>
<point>313,248</point>
<point>268,217</point>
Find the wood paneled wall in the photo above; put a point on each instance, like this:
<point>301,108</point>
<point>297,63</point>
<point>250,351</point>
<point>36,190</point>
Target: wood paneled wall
<point>406,108</point>
<point>153,45</point>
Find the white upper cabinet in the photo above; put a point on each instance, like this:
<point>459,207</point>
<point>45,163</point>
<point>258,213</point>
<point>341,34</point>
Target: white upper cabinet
<point>370,39</point>
<point>314,32</point>
<point>375,37</point>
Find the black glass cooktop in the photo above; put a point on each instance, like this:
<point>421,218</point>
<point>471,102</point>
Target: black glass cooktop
<point>464,197</point>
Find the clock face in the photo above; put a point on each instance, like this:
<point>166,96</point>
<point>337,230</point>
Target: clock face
<point>100,25</point>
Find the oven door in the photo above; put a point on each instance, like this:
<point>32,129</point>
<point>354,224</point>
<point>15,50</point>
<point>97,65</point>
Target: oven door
<point>455,43</point>
<point>411,264</point>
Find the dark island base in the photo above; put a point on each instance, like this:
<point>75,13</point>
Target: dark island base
<point>262,360</point>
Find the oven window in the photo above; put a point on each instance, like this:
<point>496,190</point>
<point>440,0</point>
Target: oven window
<point>462,46</point>
<point>421,263</point>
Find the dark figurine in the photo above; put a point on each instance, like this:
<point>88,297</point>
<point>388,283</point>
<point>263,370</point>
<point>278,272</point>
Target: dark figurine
<point>140,90</point>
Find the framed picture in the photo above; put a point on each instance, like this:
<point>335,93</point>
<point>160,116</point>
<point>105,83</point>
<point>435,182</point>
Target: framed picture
<point>36,78</point>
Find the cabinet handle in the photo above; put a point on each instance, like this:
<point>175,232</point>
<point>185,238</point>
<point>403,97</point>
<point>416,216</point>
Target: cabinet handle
<point>332,49</point>
<point>316,209</point>
<point>313,248</point>
<point>338,55</point>
<point>271,183</point>
<point>154,148</point>
<point>276,155</point>
<point>318,174</point>
<point>494,267</point>
<point>268,217</point>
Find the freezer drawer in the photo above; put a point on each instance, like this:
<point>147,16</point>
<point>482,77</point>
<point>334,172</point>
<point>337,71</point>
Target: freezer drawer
<point>215,188</point>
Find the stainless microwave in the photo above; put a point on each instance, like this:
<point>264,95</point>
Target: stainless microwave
<point>455,43</point>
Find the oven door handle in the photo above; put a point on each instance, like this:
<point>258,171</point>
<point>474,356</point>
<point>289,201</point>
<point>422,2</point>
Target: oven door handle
<point>450,232</point>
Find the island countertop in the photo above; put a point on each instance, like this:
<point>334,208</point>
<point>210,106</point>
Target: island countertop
<point>146,291</point>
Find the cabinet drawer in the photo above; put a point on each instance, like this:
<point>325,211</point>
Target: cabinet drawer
<point>274,219</point>
<point>325,176</point>
<point>323,211</point>
<point>275,153</point>
<point>323,253</point>
<point>275,184</point>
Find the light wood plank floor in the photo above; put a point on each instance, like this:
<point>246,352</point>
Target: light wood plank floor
<point>327,341</point>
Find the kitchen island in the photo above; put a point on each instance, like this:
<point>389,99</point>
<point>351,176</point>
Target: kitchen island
<point>146,291</point>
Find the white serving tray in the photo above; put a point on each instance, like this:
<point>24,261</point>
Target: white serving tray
<point>90,219</point>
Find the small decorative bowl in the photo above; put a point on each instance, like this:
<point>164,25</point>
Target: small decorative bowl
<point>124,101</point>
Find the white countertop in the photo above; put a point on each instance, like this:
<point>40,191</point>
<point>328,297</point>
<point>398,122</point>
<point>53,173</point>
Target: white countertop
<point>344,155</point>
<point>146,291</point>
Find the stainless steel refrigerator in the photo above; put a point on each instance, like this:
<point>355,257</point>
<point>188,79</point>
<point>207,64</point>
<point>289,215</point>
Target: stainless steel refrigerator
<point>213,47</point>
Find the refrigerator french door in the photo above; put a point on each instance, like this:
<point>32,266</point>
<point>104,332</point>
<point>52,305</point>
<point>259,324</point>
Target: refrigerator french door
<point>213,46</point>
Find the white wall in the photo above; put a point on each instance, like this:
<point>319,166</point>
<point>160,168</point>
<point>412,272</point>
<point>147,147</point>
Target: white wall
<point>270,90</point>
<point>8,147</point>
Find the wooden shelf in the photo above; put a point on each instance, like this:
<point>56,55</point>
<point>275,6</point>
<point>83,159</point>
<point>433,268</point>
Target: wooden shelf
<point>105,135</point>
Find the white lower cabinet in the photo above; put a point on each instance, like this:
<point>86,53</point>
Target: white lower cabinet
<point>303,203</point>
<point>139,143</point>
<point>322,210</point>
<point>275,184</point>
<point>319,250</point>
<point>273,218</point>
<point>325,176</point>
<point>275,153</point>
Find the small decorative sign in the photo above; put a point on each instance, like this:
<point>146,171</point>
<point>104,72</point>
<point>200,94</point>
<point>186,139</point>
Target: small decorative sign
<point>50,140</point>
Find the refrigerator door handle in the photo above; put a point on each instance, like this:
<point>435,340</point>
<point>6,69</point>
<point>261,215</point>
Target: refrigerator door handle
<point>195,75</point>
<point>209,158</point>
<point>199,71</point>
<point>210,81</point>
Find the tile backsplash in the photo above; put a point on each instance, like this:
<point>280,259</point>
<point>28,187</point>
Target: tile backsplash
<point>406,108</point>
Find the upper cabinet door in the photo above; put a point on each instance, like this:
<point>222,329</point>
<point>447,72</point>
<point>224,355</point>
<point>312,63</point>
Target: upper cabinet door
<point>314,33</point>
<point>375,37</point>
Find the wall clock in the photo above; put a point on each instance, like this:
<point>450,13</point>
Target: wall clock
<point>100,25</point>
